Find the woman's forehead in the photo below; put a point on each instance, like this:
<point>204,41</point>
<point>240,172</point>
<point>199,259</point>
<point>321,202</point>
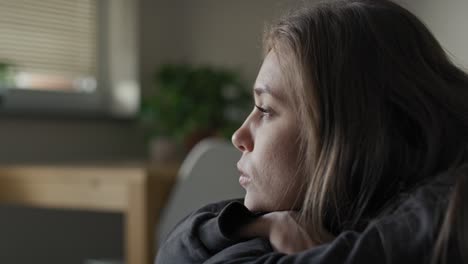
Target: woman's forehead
<point>270,79</point>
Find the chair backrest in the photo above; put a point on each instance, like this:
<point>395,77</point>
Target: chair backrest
<point>208,174</point>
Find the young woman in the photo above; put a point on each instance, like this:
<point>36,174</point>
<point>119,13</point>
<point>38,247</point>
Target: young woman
<point>355,151</point>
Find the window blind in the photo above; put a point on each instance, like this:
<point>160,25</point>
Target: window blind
<point>52,42</point>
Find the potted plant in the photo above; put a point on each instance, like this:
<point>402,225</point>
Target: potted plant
<point>192,102</point>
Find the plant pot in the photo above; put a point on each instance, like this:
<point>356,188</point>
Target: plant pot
<point>164,150</point>
<point>195,137</point>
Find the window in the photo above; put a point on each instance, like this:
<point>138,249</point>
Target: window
<point>61,56</point>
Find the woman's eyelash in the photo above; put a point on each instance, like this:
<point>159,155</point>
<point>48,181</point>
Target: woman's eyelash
<point>264,111</point>
<point>261,109</point>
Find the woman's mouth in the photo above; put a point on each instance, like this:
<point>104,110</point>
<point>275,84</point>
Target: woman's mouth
<point>244,179</point>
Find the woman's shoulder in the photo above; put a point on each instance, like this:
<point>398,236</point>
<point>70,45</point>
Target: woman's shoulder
<point>427,198</point>
<point>431,194</point>
<point>409,229</point>
<point>197,236</point>
<point>217,207</point>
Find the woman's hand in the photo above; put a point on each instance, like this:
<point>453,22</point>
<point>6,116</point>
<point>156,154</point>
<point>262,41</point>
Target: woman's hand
<point>283,231</point>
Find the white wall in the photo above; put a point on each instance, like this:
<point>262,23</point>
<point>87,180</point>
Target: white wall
<point>229,33</point>
<point>448,21</point>
<point>215,32</point>
<point>223,32</point>
<point>161,37</point>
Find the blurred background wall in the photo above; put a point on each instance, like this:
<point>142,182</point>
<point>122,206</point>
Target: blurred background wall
<point>220,32</point>
<point>448,21</point>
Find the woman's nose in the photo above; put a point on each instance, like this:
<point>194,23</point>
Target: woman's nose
<point>242,139</point>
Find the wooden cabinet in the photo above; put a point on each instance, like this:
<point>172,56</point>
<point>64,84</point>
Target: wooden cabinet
<point>136,191</point>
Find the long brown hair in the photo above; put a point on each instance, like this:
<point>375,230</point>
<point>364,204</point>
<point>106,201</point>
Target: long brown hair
<point>381,107</point>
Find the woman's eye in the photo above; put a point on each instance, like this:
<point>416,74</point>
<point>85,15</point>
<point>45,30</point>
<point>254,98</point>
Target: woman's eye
<point>264,111</point>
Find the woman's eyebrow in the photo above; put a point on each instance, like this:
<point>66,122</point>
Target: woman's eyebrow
<point>265,89</point>
<point>262,89</point>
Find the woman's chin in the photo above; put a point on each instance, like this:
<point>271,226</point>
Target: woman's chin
<point>262,204</point>
<point>249,202</point>
<point>254,205</point>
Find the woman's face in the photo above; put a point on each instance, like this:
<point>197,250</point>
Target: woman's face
<point>268,142</point>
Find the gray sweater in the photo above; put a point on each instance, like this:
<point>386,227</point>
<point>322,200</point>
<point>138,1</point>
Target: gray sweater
<point>404,234</point>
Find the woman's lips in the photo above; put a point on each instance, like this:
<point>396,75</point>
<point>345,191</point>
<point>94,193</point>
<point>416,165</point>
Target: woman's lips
<point>244,179</point>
